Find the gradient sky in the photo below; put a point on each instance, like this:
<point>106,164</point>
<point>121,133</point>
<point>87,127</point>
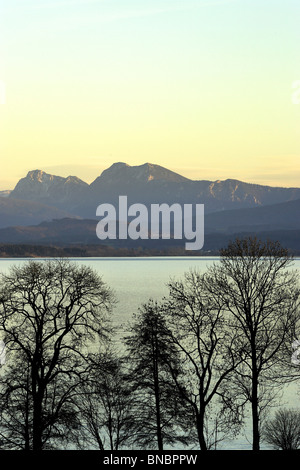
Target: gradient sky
<point>201,87</point>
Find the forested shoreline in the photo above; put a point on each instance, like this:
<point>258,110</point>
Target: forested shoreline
<point>85,251</point>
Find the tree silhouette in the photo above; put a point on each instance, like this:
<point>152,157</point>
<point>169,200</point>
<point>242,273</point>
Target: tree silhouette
<point>198,330</point>
<point>51,314</point>
<point>283,431</point>
<point>159,415</point>
<point>254,286</point>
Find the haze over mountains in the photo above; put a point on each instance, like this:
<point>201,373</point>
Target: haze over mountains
<point>231,206</point>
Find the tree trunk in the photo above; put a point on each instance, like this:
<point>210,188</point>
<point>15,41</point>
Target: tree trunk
<point>254,398</point>
<point>37,424</point>
<point>200,430</point>
<point>255,414</point>
<point>27,433</point>
<point>157,405</point>
<point>37,396</point>
<point>157,391</point>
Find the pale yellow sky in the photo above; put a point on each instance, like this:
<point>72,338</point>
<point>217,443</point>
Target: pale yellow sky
<point>202,88</point>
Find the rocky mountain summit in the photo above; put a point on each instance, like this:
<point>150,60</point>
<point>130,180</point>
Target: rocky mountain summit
<point>140,174</point>
<point>39,186</point>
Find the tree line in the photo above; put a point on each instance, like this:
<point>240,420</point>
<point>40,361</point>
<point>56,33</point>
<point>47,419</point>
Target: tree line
<point>186,373</point>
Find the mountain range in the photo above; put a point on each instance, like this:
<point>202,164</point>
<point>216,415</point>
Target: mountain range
<point>53,209</point>
<point>147,183</point>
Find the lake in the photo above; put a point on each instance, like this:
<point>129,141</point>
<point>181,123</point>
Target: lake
<point>136,280</point>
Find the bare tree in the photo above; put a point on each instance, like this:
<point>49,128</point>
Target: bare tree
<point>254,284</point>
<point>198,330</point>
<point>283,431</point>
<point>51,314</point>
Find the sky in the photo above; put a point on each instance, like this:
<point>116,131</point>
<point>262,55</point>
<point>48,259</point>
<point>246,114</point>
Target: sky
<point>205,88</point>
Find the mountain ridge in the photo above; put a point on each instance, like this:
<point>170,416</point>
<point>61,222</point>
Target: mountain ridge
<point>148,183</point>
<point>117,166</point>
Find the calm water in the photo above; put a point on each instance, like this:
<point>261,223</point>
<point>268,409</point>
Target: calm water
<point>135,280</point>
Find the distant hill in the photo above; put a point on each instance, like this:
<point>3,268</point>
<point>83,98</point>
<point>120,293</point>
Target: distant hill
<point>283,216</point>
<point>70,232</point>
<point>5,193</point>
<point>60,231</point>
<point>21,212</point>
